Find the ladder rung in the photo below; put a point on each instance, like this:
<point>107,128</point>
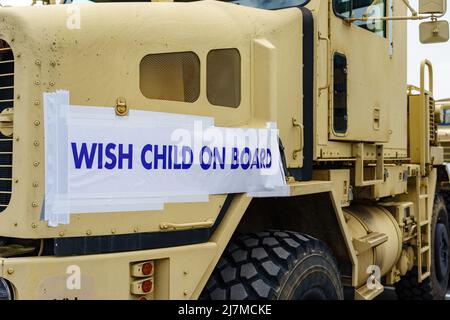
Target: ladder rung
<point>6,61</point>
<point>5,88</point>
<point>425,275</point>
<point>5,153</point>
<point>408,238</point>
<point>424,249</point>
<point>5,192</point>
<point>5,179</point>
<point>3,205</point>
<point>5,165</point>
<point>6,74</point>
<point>8,100</point>
<point>5,49</point>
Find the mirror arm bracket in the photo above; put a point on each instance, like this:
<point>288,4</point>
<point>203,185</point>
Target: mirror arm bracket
<point>417,17</point>
<point>410,7</point>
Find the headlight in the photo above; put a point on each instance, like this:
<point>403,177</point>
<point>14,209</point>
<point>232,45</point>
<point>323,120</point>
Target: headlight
<point>5,290</point>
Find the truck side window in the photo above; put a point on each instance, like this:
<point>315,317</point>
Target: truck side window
<point>357,8</point>
<point>224,77</point>
<point>340,94</point>
<point>171,76</point>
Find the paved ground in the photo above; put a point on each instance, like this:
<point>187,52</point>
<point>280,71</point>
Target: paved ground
<point>389,294</point>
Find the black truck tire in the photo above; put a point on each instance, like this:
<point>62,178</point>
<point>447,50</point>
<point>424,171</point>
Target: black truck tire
<point>275,265</point>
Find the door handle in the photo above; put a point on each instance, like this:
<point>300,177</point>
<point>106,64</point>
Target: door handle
<point>298,125</point>
<point>327,86</point>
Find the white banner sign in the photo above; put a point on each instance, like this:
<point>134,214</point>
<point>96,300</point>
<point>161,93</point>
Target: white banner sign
<point>99,162</point>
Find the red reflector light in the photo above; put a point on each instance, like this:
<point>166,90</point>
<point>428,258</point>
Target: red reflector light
<point>147,268</point>
<point>147,286</point>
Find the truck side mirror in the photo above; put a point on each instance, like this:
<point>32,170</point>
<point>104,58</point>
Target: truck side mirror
<point>432,6</point>
<point>434,32</point>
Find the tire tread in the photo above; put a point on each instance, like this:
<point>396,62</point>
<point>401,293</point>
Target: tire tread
<point>253,266</point>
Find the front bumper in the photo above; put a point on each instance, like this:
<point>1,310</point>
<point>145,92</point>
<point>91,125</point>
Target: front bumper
<point>178,273</point>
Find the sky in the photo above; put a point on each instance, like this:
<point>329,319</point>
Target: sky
<point>438,54</point>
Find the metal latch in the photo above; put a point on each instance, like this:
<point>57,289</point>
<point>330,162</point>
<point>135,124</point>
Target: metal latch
<point>298,125</point>
<point>121,107</point>
<point>6,122</point>
<point>376,118</point>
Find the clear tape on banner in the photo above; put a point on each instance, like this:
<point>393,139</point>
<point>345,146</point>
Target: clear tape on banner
<point>277,192</point>
<point>110,204</point>
<point>56,107</point>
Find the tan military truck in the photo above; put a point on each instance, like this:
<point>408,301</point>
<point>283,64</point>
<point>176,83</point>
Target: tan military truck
<point>360,202</point>
<point>442,120</point>
<point>443,129</point>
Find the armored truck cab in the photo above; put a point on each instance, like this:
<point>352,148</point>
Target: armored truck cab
<point>354,195</point>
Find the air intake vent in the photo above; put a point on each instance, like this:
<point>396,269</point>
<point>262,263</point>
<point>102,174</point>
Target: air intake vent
<point>6,101</point>
<point>433,126</point>
<point>446,146</point>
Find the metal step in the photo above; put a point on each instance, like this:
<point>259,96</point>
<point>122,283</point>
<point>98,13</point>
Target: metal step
<point>366,293</point>
<point>369,241</point>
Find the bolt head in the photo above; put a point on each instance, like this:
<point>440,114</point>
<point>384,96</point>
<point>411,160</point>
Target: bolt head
<point>121,109</point>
